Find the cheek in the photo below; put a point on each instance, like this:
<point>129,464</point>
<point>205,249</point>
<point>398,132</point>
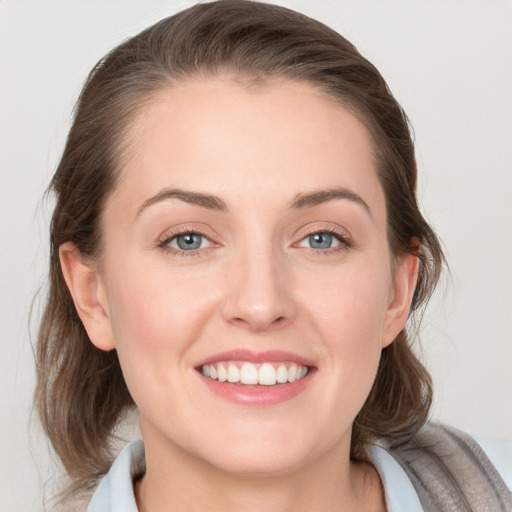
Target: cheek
<point>350,316</point>
<point>156,315</point>
<point>350,306</point>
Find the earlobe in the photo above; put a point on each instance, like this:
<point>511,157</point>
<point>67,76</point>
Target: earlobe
<point>87,289</point>
<point>405,279</point>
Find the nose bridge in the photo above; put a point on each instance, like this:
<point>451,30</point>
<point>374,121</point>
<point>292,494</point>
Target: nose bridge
<point>258,294</point>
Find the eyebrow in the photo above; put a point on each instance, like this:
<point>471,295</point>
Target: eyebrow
<point>213,202</point>
<point>322,196</point>
<point>205,200</point>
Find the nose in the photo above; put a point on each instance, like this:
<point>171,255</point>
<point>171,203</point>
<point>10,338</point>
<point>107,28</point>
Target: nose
<point>259,294</point>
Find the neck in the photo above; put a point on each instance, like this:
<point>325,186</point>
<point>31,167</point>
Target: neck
<point>180,482</point>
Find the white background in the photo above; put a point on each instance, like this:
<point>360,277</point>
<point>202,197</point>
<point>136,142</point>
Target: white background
<point>449,63</point>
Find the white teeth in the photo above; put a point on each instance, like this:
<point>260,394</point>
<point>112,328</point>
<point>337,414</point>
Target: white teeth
<point>233,373</point>
<point>248,374</point>
<point>292,373</point>
<point>222,374</point>
<point>282,374</point>
<point>268,374</point>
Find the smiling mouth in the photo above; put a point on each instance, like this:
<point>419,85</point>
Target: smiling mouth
<point>247,373</point>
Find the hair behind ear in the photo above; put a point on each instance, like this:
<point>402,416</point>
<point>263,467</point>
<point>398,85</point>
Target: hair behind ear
<point>80,393</point>
<point>399,401</point>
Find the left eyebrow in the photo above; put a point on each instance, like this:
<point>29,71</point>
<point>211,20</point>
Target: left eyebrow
<point>322,196</point>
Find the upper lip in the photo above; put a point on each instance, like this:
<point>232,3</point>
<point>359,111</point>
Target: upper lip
<point>254,356</point>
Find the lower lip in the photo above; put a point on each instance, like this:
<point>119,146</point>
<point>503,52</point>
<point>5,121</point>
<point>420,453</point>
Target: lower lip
<point>256,394</point>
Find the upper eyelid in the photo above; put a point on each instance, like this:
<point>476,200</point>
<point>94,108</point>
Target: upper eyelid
<point>315,228</point>
<point>171,233</point>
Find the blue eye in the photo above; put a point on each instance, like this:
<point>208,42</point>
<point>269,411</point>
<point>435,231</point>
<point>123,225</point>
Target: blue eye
<point>187,241</point>
<point>322,240</point>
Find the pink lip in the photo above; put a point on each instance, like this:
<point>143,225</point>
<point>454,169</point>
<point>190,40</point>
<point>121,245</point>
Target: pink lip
<point>252,356</point>
<point>257,395</point>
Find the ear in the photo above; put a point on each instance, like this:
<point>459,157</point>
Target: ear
<point>404,284</point>
<point>88,291</point>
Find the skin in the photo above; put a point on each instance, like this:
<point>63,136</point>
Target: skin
<point>255,283</point>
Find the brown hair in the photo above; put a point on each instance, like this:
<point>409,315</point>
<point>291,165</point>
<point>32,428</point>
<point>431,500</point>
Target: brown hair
<point>81,393</point>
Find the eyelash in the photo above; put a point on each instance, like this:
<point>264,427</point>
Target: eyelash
<point>345,241</point>
<point>168,238</point>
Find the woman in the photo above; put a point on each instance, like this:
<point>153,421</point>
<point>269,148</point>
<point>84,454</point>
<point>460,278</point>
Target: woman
<point>236,248</point>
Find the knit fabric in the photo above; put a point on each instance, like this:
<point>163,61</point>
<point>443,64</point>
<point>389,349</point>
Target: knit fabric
<point>451,473</point>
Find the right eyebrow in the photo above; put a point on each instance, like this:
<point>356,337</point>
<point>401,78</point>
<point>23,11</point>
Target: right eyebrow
<point>198,198</point>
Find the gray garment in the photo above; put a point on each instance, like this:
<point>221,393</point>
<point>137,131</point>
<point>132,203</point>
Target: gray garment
<point>451,472</point>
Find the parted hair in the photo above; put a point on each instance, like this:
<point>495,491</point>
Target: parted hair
<point>81,394</point>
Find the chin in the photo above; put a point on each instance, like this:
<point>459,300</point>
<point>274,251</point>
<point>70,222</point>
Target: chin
<point>263,452</point>
<point>258,463</point>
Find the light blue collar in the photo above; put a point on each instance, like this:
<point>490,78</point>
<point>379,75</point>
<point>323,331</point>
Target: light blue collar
<point>115,492</point>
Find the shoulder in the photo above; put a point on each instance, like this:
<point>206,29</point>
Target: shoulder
<point>115,491</point>
<point>400,494</point>
<point>499,452</point>
<point>448,468</point>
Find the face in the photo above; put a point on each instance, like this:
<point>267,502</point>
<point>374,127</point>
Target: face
<point>247,240</point>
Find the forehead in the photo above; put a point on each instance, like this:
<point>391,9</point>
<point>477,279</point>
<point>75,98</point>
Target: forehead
<point>271,141</point>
